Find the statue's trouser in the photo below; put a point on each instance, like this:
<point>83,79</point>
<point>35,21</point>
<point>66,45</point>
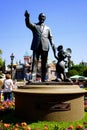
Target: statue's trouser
<point>44,56</point>
<point>34,66</point>
<point>36,55</point>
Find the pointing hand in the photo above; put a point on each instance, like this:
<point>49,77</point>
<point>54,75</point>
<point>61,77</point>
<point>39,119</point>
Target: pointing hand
<point>26,14</point>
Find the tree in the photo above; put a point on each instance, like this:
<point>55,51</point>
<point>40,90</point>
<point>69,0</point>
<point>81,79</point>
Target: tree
<point>79,68</point>
<point>72,72</point>
<point>85,72</point>
<point>0,51</point>
<point>1,61</point>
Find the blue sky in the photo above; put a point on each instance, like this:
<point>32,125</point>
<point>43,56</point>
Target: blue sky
<point>66,18</point>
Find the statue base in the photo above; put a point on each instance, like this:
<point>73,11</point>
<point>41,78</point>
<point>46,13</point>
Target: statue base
<point>50,101</point>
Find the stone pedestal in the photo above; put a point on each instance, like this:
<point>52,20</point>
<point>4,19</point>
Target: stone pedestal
<point>50,102</point>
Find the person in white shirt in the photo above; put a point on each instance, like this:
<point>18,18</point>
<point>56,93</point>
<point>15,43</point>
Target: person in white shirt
<point>7,87</point>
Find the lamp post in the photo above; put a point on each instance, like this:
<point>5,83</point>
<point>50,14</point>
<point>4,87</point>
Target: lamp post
<point>12,58</point>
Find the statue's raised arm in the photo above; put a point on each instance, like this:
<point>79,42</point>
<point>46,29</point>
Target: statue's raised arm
<point>26,14</point>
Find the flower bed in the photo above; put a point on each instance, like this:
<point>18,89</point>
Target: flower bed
<point>78,127</point>
<point>85,104</point>
<point>7,105</point>
<point>8,126</point>
<point>25,126</point>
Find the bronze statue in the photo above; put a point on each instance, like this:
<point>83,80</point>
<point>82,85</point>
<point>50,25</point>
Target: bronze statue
<point>62,63</point>
<point>40,44</point>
